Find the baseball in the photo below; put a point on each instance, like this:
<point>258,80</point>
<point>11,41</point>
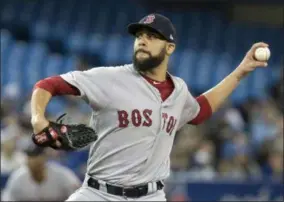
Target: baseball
<point>262,54</point>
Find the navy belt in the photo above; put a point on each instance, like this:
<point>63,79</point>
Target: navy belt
<point>133,192</point>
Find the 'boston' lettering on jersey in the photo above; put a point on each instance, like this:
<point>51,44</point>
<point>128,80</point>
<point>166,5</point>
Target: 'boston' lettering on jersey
<point>138,118</point>
<point>171,123</point>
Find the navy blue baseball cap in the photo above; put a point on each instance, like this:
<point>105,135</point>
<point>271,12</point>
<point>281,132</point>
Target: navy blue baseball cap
<point>156,23</point>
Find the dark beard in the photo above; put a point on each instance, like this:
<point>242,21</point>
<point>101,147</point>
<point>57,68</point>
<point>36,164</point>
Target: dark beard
<point>150,63</point>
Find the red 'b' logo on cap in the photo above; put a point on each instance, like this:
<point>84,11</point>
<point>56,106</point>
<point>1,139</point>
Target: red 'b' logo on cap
<point>149,19</point>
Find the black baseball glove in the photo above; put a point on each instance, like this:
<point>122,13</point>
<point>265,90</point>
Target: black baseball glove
<point>71,137</point>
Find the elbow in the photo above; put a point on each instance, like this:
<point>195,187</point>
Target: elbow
<point>44,85</point>
<point>56,86</point>
<point>205,111</point>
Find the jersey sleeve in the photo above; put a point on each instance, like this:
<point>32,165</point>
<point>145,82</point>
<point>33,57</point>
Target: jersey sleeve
<point>91,84</point>
<point>78,79</point>
<point>190,110</point>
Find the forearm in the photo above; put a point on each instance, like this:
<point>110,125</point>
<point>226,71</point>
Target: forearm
<point>39,101</point>
<point>217,95</point>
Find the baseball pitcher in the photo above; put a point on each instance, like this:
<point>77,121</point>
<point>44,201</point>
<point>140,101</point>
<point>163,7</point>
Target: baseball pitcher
<point>137,109</point>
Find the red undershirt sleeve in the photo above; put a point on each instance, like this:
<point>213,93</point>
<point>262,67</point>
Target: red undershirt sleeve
<point>57,86</point>
<point>205,111</point>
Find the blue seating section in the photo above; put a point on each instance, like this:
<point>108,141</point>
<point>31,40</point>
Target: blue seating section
<point>25,63</point>
<point>208,47</point>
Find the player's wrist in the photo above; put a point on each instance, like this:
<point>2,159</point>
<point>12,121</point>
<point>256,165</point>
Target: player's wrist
<point>239,74</point>
<point>37,118</point>
<point>39,122</point>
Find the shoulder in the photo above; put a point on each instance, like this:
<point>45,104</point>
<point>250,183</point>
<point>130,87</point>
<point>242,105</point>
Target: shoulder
<point>108,70</point>
<point>99,73</point>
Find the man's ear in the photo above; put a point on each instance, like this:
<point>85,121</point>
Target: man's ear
<point>170,48</point>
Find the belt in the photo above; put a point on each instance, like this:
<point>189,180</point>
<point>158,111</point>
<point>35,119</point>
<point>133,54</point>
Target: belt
<point>133,192</point>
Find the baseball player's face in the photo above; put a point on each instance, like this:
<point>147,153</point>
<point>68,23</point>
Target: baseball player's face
<point>150,50</point>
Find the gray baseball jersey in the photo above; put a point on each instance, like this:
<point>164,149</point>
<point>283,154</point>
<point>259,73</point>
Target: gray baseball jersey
<point>59,184</point>
<point>136,128</point>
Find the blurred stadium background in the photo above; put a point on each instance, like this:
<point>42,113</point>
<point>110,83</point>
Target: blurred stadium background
<point>236,155</point>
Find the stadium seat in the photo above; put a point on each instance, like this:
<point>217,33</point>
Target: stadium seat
<point>121,22</point>
<point>186,67</point>
<point>70,63</point>
<point>8,13</point>
<point>129,50</point>
<point>82,20</point>
<point>60,30</point>
<point>222,67</point>
<point>33,68</point>
<point>215,37</point>
<point>205,68</point>
<point>275,73</point>
<point>14,66</point>
<point>95,42</point>
<point>257,83</point>
<point>112,51</point>
<point>48,10</point>
<point>28,12</point>
<point>40,30</point>
<point>175,62</point>
<point>6,44</point>
<point>54,65</point>
<point>76,42</point>
<point>100,23</point>
<point>55,107</point>
<point>61,26</point>
<point>241,93</point>
<point>5,41</point>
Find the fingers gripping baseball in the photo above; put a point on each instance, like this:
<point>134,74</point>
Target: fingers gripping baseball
<point>257,45</point>
<point>257,56</point>
<point>251,59</point>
